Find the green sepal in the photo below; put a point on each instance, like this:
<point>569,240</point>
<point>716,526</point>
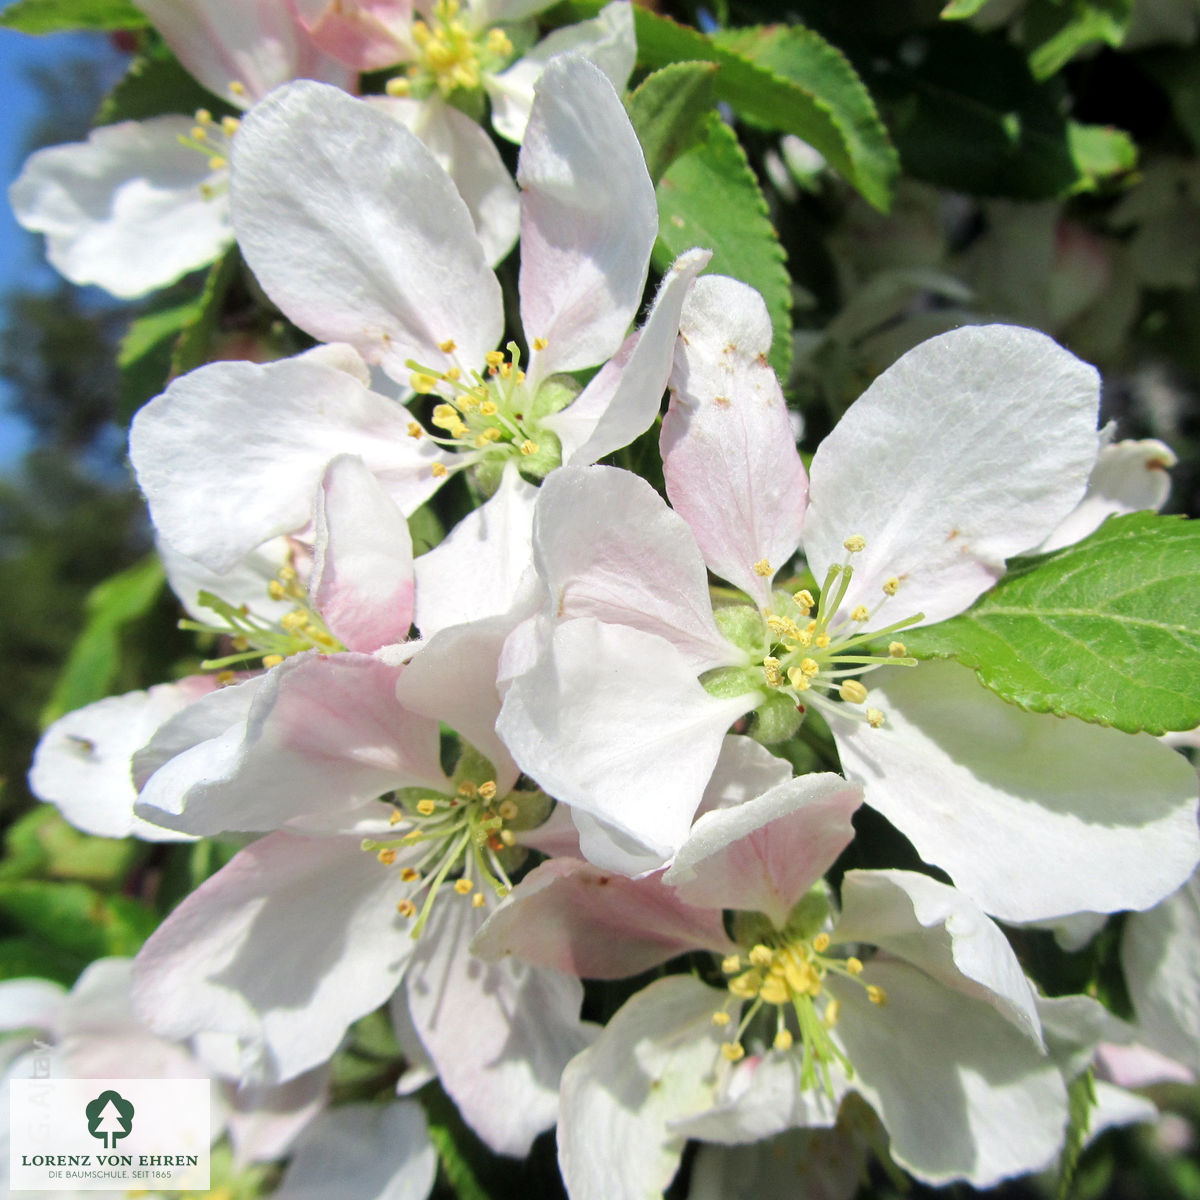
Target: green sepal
<point>724,683</point>
<point>742,624</point>
<point>59,16</point>
<point>1107,630</point>
<point>776,719</point>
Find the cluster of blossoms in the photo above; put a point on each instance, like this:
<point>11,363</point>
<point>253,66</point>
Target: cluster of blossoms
<point>541,752</point>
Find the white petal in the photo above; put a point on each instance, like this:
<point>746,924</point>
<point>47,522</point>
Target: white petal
<point>383,256</point>
<point>124,209</point>
<point>471,159</point>
<point>265,1122</point>
<point>813,1163</point>
<point>962,1093</point>
<point>745,769</point>
<point>475,571</point>
<point>362,577</point>
<point>268,432</point>
<point>653,1063</point>
<point>1031,815</point>
<point>500,1034</point>
<point>612,721</point>
<point>764,854</point>
<point>1160,955</point>
<point>1128,477</point>
<point>731,467</point>
<point>624,397</point>
<point>84,762</point>
<point>608,40</point>
<point>608,547</point>
<point>284,947</point>
<point>245,583</point>
<point>30,1004</point>
<point>937,929</point>
<point>968,450</point>
<point>588,219</point>
<point>363,1152</point>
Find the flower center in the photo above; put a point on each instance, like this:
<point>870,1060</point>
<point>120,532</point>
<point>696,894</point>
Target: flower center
<point>213,139</point>
<point>450,56</point>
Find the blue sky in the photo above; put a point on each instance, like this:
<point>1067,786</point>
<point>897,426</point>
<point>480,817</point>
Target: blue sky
<point>21,262</point>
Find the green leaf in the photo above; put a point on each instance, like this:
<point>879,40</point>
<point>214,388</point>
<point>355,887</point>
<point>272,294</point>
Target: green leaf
<point>154,84</point>
<point>56,16</point>
<point>668,111</point>
<point>1055,31</point>
<point>95,658</point>
<point>41,843</point>
<point>958,10</point>
<point>710,197</point>
<point>75,918</point>
<point>1107,630</point>
<point>196,337</point>
<point>1099,152</point>
<point>811,64</point>
<point>144,355</point>
<point>22,957</point>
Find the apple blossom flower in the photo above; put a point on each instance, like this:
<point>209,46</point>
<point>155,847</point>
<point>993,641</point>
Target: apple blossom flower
<point>910,997</point>
<point>912,508</point>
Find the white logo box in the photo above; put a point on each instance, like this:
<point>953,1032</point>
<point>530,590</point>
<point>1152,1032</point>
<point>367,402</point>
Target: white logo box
<point>52,1148</point>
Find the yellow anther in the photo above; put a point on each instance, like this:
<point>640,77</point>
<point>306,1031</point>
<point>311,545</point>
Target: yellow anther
<point>438,470</point>
<point>507,837</point>
<point>721,1018</point>
<point>861,613</point>
<point>478,900</point>
<point>420,32</point>
<point>421,381</point>
<point>225,678</point>
<point>427,807</point>
<point>499,43</point>
<point>488,408</point>
<point>409,838</point>
<point>763,568</point>
<point>294,621</point>
<point>891,585</point>
<point>396,817</point>
<point>761,956</point>
<point>854,966</point>
<point>810,667</point>
<point>832,1011</point>
<point>822,640</point>
<point>493,358</point>
<point>414,430</point>
<point>852,692</point>
<point>464,887</point>
<point>272,660</point>
<point>218,162</point>
<point>540,343</point>
<point>410,875</point>
<point>508,809</point>
<point>467,790</point>
<point>772,671</point>
<point>855,543</point>
<point>199,133</point>
<point>288,574</point>
<point>275,590</point>
<point>745,986</point>
<point>804,601</point>
<point>875,718</point>
<point>731,964</point>
<point>520,376</point>
<point>897,649</point>
<point>732,1051</point>
<point>775,990</point>
<point>528,448</point>
<point>801,976</point>
<point>487,791</point>
<point>506,369</point>
<point>230,126</point>
<point>876,994</point>
<point>387,856</point>
<point>203,117</point>
<point>448,346</point>
<point>798,679</point>
<point>406,908</point>
<point>453,374</point>
<point>783,1040</point>
<point>237,87</point>
<point>821,943</point>
<point>398,86</point>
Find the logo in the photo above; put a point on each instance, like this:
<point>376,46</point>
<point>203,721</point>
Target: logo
<point>109,1117</point>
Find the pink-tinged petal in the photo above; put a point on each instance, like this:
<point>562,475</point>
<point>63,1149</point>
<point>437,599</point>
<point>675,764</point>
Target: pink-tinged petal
<point>1128,477</point>
<point>1086,818</point>
<point>653,1064</point>
<point>471,159</point>
<point>612,721</point>
<point>499,1034</point>
<point>476,570</point>
<point>385,256</point>
<point>254,45</point>
<point>624,397</point>
<point>1137,1066</point>
<point>591,923</point>
<point>940,931</point>
<point>284,947</point>
<point>322,736</point>
<point>1162,969</point>
<point>608,547</point>
<point>365,34</point>
<point>269,432</point>
<point>362,580</point>
<point>264,1122</point>
<point>969,449</point>
<point>745,769</point>
<point>84,763</point>
<point>588,219</point>
<point>729,459</point>
<point>125,210</point>
<point>452,678</point>
<point>765,854</point>
<point>817,1164</point>
<point>608,40</point>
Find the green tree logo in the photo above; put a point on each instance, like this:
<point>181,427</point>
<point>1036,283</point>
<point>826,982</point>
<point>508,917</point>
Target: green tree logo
<point>109,1117</point>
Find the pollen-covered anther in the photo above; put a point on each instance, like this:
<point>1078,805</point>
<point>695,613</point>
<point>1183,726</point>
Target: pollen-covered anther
<point>406,908</point>
<point>225,678</point>
<point>763,568</point>
<point>420,381</point>
<point>478,900</point>
<point>410,875</point>
<point>269,661</point>
<point>276,590</point>
<point>832,1011</point>
<point>852,692</point>
<point>396,817</point>
<point>540,343</point>
<point>493,358</point>
<point>876,994</point>
<point>731,964</point>
<point>821,943</point>
<point>237,87</point>
<point>427,807</point>
<point>467,790</point>
<point>798,679</point>
<point>783,1040</point>
<point>854,965</point>
<point>732,1051</point>
<point>855,543</point>
<point>448,346</point>
<point>875,718</point>
<point>446,417</point>
<point>499,43</point>
<point>414,430</point>
<point>507,837</point>
<point>804,601</point>
<point>438,470</point>
<point>897,650</point>
<point>230,126</point>
<point>891,586</point>
<point>529,448</point>
<point>810,667</point>
<point>860,613</point>
<point>762,956</point>
<point>464,887</point>
<point>721,1018</point>
<point>508,809</point>
<point>398,87</point>
<point>387,856</point>
<point>772,672</point>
